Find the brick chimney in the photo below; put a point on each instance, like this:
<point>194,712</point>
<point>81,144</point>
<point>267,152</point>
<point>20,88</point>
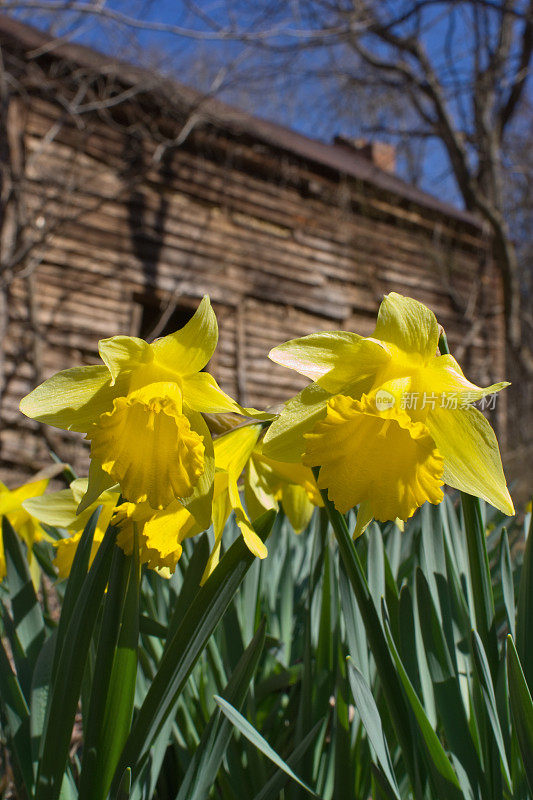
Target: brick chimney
<point>381,154</point>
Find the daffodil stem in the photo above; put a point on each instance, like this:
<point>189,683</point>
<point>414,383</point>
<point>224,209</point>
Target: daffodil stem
<point>374,631</point>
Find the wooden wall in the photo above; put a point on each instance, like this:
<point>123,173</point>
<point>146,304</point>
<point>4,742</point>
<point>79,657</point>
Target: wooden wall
<point>282,246</point>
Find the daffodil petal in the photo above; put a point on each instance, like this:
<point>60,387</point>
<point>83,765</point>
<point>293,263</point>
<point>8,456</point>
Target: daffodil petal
<point>12,500</point>
<point>188,350</point>
<point>285,473</point>
<point>385,460</point>
<point>97,483</point>
<point>284,440</point>
<point>165,531</point>
<point>66,550</point>
<point>443,377</point>
<point>364,518</point>
<point>78,487</point>
<point>355,373</point>
<point>72,399</point>
<point>316,354</point>
<point>123,353</point>
<point>55,508</point>
<point>202,393</point>
<point>221,511</point>
<point>233,449</point>
<point>60,509</point>
<point>297,506</point>
<point>472,461</point>
<point>212,561</point>
<point>257,499</point>
<point>407,324</point>
<point>252,540</point>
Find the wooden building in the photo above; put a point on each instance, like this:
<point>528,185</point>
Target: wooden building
<point>126,197</point>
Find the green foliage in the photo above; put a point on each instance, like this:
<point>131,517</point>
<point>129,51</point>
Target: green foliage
<point>381,669</point>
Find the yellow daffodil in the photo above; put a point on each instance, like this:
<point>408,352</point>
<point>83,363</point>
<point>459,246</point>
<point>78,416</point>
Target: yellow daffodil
<point>387,418</point>
<point>160,533</point>
<point>232,452</point>
<point>269,483</point>
<point>59,509</point>
<point>23,522</point>
<point>141,411</point>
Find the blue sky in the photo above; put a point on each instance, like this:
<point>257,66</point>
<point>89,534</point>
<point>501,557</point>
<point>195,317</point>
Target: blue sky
<point>296,93</point>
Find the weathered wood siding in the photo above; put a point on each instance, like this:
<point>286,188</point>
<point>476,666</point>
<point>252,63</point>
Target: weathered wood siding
<point>282,246</point>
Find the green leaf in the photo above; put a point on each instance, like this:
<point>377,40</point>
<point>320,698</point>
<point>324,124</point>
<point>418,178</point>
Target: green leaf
<point>478,565</point>
<point>203,768</point>
<point>384,790</point>
<point>151,627</point>
<point>65,689</point>
<point>40,691</point>
<point>253,736</point>
<point>119,698</point>
<point>123,791</point>
<point>521,709</point>
<point>25,609</point>
<point>506,573</point>
<point>183,649</point>
<point>446,689</point>
<point>342,763</point>
<point>368,710</point>
<point>375,635</point>
<point>286,610</point>
<point>18,719</point>
<point>78,573</point>
<point>355,631</point>
<point>524,614</point>
<point>441,769</point>
<point>483,673</point>
<point>93,721</point>
<point>272,788</point>
<point>376,564</point>
<point>191,584</point>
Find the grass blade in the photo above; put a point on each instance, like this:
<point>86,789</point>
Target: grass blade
<point>524,614</point>
<point>69,674</point>
<point>26,612</point>
<point>368,710</point>
<point>521,709</point>
<point>441,769</point>
<point>253,736</point>
<point>109,630</point>
<point>78,573</point>
<point>446,689</point>
<point>208,756</point>
<point>121,694</point>
<point>272,788</point>
<point>506,573</point>
<point>478,565</point>
<point>184,648</point>
<point>374,631</point>
<point>18,719</point>
<point>485,681</point>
